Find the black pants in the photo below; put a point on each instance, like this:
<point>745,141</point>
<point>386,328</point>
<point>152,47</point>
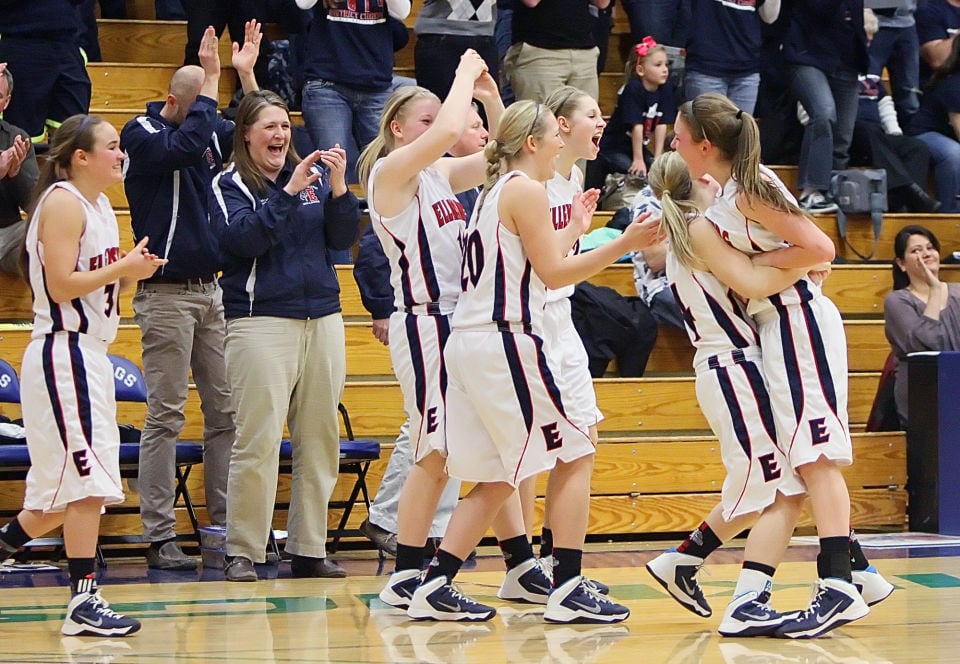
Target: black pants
<point>905,158</point>
<point>435,59</point>
<point>223,14</point>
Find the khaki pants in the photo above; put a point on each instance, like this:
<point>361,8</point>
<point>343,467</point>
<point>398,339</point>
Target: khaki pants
<point>294,370</point>
<point>536,72</point>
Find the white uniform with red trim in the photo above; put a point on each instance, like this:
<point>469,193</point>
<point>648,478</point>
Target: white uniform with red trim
<point>731,391</point>
<point>67,388</point>
<point>422,245</point>
<point>804,346</point>
<point>561,339</point>
<point>503,399</point>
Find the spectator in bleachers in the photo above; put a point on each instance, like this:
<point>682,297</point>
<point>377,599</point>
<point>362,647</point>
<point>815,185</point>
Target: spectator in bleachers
<point>173,153</point>
<point>723,51</point>
<point>937,124</point>
<point>825,49</point>
<point>503,34</point>
<point>348,70</point>
<point>39,43</point>
<point>222,15</point>
<point>553,45</point>
<point>445,29</point>
<point>667,21</point>
<point>637,131</point>
<point>878,142</point>
<point>896,47</point>
<point>938,22</point>
<point>276,216</point>
<point>18,176</point>
<point>922,313</point>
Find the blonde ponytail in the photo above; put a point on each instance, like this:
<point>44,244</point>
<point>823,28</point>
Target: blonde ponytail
<point>671,184</point>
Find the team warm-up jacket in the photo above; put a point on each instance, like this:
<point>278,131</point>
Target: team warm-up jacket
<point>274,246</point>
<point>167,176</point>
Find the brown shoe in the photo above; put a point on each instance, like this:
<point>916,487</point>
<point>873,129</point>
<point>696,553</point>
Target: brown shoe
<point>240,569</point>
<point>306,567</point>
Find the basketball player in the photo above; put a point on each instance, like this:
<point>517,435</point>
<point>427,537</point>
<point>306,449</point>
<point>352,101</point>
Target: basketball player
<point>418,220</point>
<point>807,378</point>
<point>76,271</point>
<point>511,255</point>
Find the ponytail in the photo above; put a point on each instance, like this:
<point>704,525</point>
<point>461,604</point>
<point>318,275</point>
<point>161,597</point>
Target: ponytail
<point>671,184</point>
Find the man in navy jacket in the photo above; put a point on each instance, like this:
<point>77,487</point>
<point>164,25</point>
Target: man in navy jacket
<point>173,153</point>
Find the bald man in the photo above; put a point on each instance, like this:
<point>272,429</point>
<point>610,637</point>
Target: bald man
<point>173,153</point>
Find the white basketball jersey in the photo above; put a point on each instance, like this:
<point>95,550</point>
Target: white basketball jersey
<point>714,318</point>
<point>560,193</point>
<point>751,238</point>
<point>422,243</point>
<point>97,313</point>
<point>499,283</point>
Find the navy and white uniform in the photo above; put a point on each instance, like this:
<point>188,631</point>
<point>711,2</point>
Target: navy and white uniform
<point>562,342</point>
<point>68,404</point>
<point>503,399</point>
<point>804,346</point>
<point>731,391</point>
<point>422,245</point>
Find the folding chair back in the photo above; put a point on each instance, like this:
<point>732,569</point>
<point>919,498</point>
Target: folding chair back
<point>9,384</point>
<point>128,380</point>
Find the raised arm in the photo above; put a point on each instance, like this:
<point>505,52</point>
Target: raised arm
<point>245,58</point>
<point>398,176</point>
<point>471,171</point>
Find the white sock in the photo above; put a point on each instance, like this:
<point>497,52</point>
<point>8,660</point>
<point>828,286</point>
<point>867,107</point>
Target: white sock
<point>752,580</point>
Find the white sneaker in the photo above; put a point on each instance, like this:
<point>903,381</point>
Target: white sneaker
<point>677,573</point>
<point>817,203</point>
<point>400,588</point>
<point>547,563</point>
<point>88,614</point>
<point>574,602</point>
<point>836,602</point>
<point>437,599</point>
<point>750,614</point>
<point>527,582</point>
<point>873,587</point>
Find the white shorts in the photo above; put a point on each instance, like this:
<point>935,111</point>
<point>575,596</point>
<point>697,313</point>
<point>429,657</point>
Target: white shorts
<point>805,364</point>
<point>70,417</point>
<point>505,413</point>
<point>416,351</point>
<point>733,397</point>
<point>568,357</point>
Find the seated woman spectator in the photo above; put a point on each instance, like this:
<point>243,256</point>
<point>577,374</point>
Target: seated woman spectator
<point>937,124</point>
<point>922,313</point>
<point>637,131</point>
<point>276,217</point>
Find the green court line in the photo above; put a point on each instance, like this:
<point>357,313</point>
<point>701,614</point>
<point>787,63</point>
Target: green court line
<point>936,580</point>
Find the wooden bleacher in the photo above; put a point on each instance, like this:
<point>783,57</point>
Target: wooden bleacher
<point>658,469</point>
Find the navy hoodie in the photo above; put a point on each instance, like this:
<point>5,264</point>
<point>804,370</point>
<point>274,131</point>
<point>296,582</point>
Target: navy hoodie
<point>274,246</point>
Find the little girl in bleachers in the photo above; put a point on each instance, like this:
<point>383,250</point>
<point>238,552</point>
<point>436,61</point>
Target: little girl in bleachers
<point>636,133</point>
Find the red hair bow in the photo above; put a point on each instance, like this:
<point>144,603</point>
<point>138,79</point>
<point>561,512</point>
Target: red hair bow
<point>646,45</point>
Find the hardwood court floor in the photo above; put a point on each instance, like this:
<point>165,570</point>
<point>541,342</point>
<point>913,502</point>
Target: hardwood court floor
<point>285,620</point>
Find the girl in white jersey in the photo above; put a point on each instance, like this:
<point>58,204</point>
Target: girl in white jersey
<point>801,333</point>
<point>418,221</point>
<point>708,279</point>
<point>581,127</point>
<point>502,399</point>
<point>76,271</point>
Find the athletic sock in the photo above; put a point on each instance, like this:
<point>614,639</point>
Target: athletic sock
<point>546,543</point>
<point>516,550</point>
<point>701,542</point>
<point>754,577</point>
<point>82,577</point>
<point>858,561</point>
<point>833,561</point>
<point>443,564</point>
<point>409,557</point>
<point>12,536</point>
<point>567,563</point>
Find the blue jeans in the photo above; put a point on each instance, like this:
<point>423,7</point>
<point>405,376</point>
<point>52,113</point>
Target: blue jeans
<point>945,154</point>
<point>741,90</point>
<point>336,113</point>
<point>897,49</point>
<point>667,21</point>
<point>831,100</point>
